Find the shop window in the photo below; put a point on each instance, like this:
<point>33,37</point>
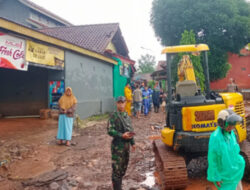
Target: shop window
<point>56,90</point>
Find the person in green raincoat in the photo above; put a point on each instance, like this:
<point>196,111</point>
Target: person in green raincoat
<point>225,164</point>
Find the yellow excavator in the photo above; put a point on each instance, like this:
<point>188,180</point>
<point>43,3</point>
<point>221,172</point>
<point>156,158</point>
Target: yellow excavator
<point>191,118</point>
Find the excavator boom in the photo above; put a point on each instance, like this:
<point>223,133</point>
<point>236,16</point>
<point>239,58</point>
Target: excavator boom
<point>185,69</point>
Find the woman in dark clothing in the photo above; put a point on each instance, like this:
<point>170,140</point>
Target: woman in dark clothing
<point>156,98</point>
<point>161,96</point>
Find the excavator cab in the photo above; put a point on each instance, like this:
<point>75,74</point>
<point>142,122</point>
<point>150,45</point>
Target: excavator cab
<point>186,85</point>
<point>191,117</point>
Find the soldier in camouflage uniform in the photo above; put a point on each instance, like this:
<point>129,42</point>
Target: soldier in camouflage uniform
<point>120,128</point>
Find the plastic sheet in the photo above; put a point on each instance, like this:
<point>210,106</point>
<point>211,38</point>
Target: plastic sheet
<point>225,164</point>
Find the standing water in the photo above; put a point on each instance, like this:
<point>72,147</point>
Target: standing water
<point>150,179</point>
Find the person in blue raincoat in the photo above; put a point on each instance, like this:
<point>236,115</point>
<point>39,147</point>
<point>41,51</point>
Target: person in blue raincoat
<point>225,164</point>
<point>142,88</point>
<point>146,100</point>
<point>150,98</point>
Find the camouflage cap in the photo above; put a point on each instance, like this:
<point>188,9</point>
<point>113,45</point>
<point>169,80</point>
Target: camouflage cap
<point>120,99</point>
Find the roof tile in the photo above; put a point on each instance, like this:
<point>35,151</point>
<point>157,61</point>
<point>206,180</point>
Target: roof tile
<point>93,37</point>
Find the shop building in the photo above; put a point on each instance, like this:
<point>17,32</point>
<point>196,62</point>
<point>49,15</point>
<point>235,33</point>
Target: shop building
<point>52,61</point>
<point>105,39</point>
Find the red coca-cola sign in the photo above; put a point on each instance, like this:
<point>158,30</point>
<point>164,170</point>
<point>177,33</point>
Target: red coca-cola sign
<point>12,52</point>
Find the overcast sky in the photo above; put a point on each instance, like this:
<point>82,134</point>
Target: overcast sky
<point>133,16</point>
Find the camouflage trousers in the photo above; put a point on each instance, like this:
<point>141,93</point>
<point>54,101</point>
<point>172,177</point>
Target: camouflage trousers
<point>120,159</point>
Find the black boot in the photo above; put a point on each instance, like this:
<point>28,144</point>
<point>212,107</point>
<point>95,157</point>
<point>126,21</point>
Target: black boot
<point>117,184</point>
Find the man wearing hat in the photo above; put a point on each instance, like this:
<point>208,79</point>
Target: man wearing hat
<point>120,128</point>
<point>225,164</point>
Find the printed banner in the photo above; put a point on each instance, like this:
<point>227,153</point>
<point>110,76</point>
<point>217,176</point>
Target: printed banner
<point>45,55</point>
<point>12,53</point>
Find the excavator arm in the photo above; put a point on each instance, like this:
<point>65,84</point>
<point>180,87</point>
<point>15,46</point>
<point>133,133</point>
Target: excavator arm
<point>185,69</point>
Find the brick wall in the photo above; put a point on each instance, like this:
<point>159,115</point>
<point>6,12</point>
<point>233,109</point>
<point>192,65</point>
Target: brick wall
<point>240,71</point>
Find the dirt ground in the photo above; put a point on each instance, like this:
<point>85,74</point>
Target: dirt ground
<point>35,162</point>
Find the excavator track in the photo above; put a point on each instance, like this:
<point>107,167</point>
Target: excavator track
<point>170,166</point>
<point>245,152</point>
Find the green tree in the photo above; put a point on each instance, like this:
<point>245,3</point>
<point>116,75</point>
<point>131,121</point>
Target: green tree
<point>151,84</point>
<point>188,37</point>
<point>146,64</point>
<point>222,24</point>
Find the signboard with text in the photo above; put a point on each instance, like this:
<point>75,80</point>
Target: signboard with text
<point>12,52</point>
<point>45,55</point>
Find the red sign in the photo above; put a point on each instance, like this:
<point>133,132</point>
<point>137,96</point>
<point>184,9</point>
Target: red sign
<point>12,52</point>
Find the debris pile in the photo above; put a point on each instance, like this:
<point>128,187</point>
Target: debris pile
<point>197,167</point>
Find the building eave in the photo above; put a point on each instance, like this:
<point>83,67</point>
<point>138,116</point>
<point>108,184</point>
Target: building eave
<point>22,30</point>
<point>111,38</point>
<point>122,40</point>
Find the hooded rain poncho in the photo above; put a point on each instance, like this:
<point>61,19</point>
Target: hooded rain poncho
<point>225,164</point>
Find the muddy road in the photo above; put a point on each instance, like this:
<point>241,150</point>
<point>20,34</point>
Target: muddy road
<point>36,162</point>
